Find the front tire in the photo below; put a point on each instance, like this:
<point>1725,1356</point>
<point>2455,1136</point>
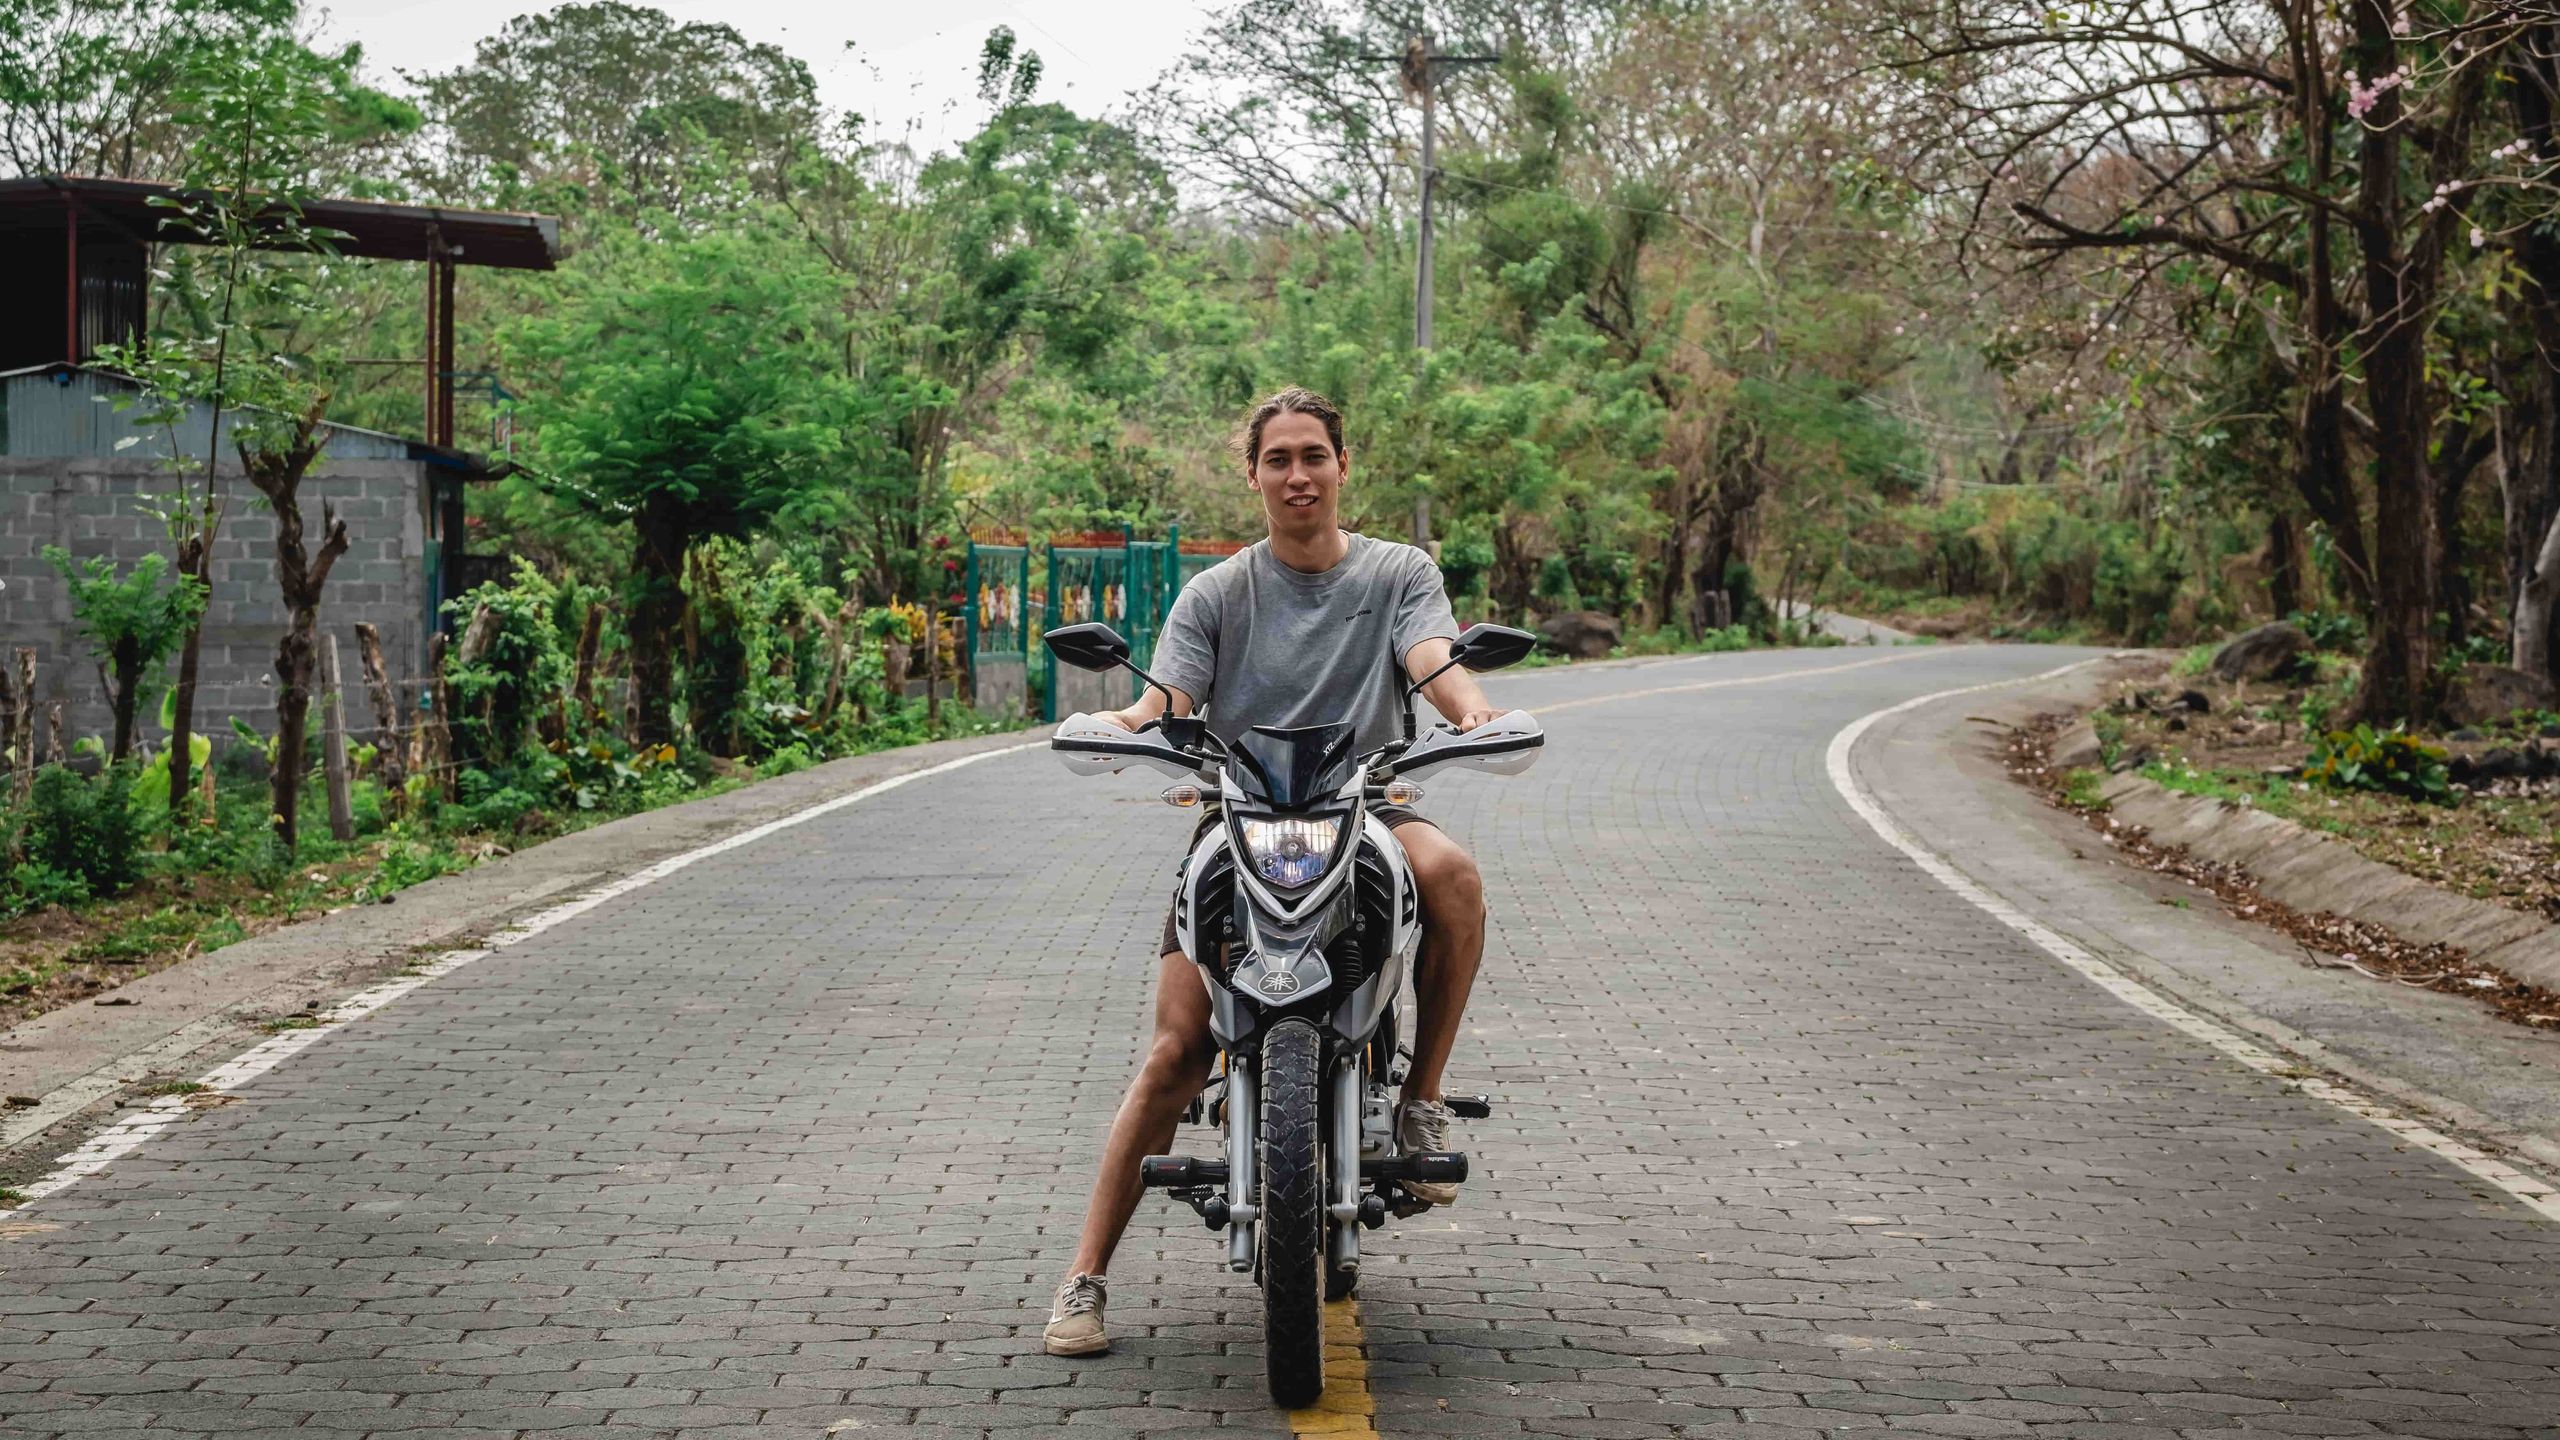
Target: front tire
<point>1290,1232</point>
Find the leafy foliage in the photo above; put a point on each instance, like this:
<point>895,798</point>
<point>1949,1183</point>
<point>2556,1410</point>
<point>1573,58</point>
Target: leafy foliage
<point>83,827</point>
<point>132,620</point>
<point>520,675</point>
<point>2393,760</point>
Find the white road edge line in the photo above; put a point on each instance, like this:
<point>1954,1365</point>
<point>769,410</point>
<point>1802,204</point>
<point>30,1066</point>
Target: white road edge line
<point>2536,1195</point>
<point>129,1133</point>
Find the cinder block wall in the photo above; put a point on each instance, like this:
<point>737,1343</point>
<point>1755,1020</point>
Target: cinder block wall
<point>97,507</point>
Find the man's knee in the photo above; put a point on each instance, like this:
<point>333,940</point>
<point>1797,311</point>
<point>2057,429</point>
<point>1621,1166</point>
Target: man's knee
<point>1450,883</point>
<point>1177,1063</point>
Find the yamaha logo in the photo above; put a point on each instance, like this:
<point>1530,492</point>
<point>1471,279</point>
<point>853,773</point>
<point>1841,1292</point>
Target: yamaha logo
<point>1278,982</point>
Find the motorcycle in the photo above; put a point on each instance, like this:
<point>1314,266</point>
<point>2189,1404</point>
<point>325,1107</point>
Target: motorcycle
<point>1300,912</point>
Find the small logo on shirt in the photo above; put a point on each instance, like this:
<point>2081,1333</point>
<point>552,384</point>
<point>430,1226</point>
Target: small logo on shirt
<point>1356,614</point>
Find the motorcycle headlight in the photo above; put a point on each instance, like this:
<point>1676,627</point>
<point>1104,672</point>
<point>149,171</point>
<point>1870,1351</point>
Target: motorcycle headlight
<point>1290,852</point>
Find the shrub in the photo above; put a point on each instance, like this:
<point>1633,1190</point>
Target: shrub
<point>2393,761</point>
<point>2137,582</point>
<point>488,803</point>
<point>523,671</point>
<point>2330,629</point>
<point>87,828</point>
<point>33,885</point>
<point>788,760</point>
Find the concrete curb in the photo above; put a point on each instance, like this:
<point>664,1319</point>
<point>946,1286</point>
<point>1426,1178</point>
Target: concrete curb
<point>2311,871</point>
<point>72,1059</point>
<point>1940,771</point>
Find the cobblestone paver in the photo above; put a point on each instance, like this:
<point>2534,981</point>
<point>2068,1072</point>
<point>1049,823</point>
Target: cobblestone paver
<point>794,1143</point>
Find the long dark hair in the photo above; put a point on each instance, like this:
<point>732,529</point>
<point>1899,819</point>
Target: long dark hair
<point>1296,400</point>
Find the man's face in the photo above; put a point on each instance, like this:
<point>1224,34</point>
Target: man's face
<point>1299,476</point>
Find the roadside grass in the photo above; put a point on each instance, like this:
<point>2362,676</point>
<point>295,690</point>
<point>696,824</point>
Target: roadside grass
<point>225,882</point>
<point>2109,727</point>
<point>173,1087</point>
<point>2081,788</point>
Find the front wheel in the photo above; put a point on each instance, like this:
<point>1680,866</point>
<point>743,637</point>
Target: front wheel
<point>1290,1232</point>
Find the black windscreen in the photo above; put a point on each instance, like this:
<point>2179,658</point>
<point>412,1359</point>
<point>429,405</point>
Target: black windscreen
<point>1287,769</point>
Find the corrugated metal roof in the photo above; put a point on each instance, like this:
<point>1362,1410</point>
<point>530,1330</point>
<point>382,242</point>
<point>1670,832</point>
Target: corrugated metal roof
<point>62,410</point>
<point>504,238</point>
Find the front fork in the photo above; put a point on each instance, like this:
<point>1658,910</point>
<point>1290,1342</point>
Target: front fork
<point>1342,1161</point>
<point>1342,1158</point>
<point>1244,1125</point>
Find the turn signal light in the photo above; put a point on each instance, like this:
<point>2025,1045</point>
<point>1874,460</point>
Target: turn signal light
<point>1402,792</point>
<point>1184,796</point>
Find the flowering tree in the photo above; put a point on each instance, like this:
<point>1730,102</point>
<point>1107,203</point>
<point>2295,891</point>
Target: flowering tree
<point>2319,166</point>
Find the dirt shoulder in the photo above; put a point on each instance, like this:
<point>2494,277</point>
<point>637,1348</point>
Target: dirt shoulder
<point>2494,835</point>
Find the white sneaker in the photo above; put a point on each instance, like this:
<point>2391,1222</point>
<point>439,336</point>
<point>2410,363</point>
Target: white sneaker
<point>1424,1125</point>
<point>1075,1319</point>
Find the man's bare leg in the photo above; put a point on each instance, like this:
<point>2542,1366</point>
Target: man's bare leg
<point>1452,947</point>
<point>1177,1065</point>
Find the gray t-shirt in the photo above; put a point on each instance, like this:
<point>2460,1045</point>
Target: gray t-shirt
<point>1254,642</point>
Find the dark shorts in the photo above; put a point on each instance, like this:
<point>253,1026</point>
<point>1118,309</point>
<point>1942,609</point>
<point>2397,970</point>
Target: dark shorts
<point>1394,817</point>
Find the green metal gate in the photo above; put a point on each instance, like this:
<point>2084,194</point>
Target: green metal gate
<point>998,643</point>
<point>1119,579</point>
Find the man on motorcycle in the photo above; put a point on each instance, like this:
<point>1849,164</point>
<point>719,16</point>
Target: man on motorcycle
<point>1295,631</point>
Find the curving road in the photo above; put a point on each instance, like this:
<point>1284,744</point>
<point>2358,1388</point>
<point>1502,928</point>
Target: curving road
<point>793,1142</point>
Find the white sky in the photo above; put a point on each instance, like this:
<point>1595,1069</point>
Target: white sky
<point>910,59</point>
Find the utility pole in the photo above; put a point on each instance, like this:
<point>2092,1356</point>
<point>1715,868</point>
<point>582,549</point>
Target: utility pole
<point>1420,66</point>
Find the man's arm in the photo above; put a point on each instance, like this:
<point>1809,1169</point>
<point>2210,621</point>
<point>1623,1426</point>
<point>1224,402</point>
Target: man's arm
<point>1456,695</point>
<point>1149,706</point>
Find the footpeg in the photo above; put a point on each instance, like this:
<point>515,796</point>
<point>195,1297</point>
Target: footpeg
<point>1180,1172</point>
<point>1469,1107</point>
<point>1431,1167</point>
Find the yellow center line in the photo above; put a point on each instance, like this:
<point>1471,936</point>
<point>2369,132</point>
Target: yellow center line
<point>1345,1411</point>
<point>1810,670</point>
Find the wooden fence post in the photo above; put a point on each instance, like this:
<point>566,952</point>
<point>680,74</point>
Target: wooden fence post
<point>333,744</point>
<point>435,733</point>
<point>53,747</point>
<point>390,745</point>
<point>24,739</point>
<point>8,726</point>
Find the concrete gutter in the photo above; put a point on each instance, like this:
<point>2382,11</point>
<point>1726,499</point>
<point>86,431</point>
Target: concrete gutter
<point>1940,770</point>
<point>72,1059</point>
<point>2311,871</point>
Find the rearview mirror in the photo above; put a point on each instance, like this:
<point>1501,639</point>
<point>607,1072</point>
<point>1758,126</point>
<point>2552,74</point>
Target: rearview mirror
<point>1490,647</point>
<point>1090,646</point>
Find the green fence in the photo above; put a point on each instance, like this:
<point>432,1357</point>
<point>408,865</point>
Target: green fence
<point>998,638</point>
<point>1121,580</point>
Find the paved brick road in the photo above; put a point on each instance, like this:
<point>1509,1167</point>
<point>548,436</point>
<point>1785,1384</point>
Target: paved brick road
<point>1790,1139</point>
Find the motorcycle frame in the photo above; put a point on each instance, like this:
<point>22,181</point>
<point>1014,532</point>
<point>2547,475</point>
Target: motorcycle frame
<point>1348,1020</point>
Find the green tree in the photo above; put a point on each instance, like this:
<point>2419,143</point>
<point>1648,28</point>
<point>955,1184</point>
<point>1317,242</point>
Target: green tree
<point>690,387</point>
<point>132,620</point>
<point>260,115</point>
<point>90,87</point>
<point>619,108</point>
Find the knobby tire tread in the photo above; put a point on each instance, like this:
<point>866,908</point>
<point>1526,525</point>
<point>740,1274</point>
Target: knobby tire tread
<point>1293,1212</point>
